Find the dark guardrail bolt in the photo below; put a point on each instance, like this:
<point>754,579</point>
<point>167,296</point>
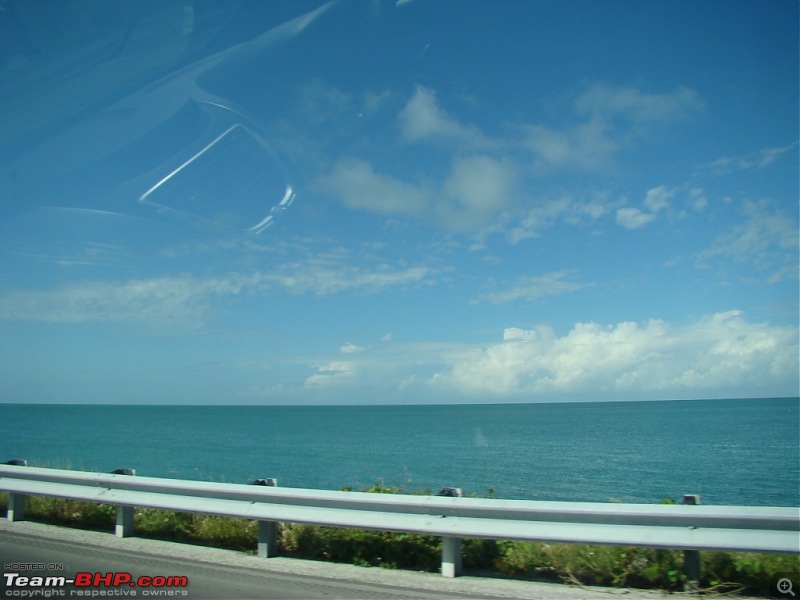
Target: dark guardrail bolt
<point>123,472</point>
<point>270,481</point>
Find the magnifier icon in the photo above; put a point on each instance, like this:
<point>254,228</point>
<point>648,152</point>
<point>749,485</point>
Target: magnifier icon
<point>785,586</point>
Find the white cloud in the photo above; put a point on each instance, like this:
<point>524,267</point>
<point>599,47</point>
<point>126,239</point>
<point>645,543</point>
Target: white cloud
<point>698,199</point>
<point>386,368</point>
<point>477,188</point>
<point>422,119</point>
<point>359,186</point>
<point>483,186</point>
<point>331,373</point>
<point>351,349</point>
<point>632,218</point>
<point>722,351</point>
<point>550,145</point>
<point>479,182</point>
<point>515,333</point>
<point>656,200</point>
<point>588,146</point>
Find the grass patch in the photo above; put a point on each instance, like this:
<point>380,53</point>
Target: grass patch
<point>743,572</point>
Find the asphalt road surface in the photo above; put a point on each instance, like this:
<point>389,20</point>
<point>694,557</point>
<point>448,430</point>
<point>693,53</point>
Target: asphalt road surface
<point>205,580</point>
<point>36,550</point>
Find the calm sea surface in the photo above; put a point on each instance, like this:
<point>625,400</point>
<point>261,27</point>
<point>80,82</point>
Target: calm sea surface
<point>728,451</point>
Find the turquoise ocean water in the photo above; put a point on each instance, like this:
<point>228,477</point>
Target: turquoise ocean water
<point>728,451</point>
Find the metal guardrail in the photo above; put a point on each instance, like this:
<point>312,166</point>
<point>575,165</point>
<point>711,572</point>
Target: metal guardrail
<point>682,527</point>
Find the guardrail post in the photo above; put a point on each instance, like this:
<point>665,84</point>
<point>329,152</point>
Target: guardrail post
<point>16,502</point>
<point>451,546</point>
<point>267,530</point>
<point>451,556</point>
<point>124,527</point>
<point>691,558</point>
<point>267,539</point>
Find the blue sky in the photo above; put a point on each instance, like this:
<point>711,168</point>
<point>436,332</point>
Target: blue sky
<point>399,202</point>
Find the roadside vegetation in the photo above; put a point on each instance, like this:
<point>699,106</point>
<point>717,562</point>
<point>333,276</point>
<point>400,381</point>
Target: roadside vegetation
<point>722,572</point>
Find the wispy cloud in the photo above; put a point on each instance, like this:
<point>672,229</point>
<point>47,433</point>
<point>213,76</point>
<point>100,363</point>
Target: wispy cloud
<point>757,160</point>
<point>630,103</point>
<point>320,102</point>
<point>764,238</point>
<point>158,300</point>
<point>698,199</point>
<point>532,287</point>
<point>321,277</point>
<point>185,300</point>
<point>546,212</point>
<point>609,118</point>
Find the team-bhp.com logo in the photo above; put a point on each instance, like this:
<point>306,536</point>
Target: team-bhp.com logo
<point>95,585</point>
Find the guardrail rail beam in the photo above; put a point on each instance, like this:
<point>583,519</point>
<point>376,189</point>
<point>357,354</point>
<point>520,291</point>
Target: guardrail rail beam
<point>449,517</point>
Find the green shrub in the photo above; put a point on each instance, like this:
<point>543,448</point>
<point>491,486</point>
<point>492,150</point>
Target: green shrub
<point>207,530</point>
<point>237,534</point>
<point>479,554</point>
<point>359,547</point>
<point>72,513</point>
<point>592,565</point>
<point>751,572</point>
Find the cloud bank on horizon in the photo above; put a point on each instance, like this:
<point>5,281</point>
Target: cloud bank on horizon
<point>506,206</point>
